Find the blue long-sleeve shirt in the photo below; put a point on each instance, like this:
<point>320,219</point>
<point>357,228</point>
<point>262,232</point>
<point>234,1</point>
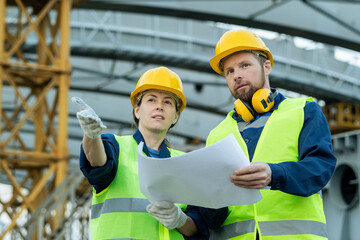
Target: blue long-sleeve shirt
<point>101,177</point>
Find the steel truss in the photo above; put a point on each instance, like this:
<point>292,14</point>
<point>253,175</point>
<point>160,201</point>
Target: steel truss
<point>41,90</point>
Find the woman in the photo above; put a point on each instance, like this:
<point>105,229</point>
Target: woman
<point>119,209</point>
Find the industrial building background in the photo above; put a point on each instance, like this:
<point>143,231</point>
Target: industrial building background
<point>51,50</point>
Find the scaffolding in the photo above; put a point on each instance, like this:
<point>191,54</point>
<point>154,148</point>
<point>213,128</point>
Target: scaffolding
<point>40,84</point>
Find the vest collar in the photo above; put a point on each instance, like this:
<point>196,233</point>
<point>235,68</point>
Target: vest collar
<point>164,151</point>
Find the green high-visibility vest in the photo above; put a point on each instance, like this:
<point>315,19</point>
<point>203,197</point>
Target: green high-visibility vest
<point>278,216</point>
<point>119,211</point>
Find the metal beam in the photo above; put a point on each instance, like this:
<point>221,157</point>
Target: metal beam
<point>165,10</point>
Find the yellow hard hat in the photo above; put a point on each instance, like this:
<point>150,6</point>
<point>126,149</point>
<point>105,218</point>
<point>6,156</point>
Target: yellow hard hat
<point>237,40</point>
<point>160,78</point>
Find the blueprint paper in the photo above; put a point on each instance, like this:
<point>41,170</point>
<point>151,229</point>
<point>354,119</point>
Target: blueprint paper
<point>200,177</point>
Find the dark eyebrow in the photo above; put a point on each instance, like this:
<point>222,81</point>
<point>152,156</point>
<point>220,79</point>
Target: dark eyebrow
<point>152,95</point>
<point>227,68</point>
<point>239,63</point>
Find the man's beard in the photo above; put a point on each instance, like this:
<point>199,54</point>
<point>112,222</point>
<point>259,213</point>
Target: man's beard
<point>247,96</point>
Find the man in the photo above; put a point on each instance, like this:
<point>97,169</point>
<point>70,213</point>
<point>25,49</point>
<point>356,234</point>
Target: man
<point>288,143</point>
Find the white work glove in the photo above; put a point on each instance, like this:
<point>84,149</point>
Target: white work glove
<point>90,122</point>
<point>168,213</point>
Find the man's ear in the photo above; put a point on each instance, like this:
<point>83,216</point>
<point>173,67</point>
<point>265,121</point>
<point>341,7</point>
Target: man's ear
<point>267,67</point>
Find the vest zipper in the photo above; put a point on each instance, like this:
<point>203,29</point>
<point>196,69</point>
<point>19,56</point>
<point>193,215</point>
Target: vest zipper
<point>257,228</point>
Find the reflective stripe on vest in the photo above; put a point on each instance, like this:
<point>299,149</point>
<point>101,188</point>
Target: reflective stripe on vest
<point>119,205</point>
<point>278,142</point>
<point>293,227</point>
<point>289,227</point>
<point>233,230</point>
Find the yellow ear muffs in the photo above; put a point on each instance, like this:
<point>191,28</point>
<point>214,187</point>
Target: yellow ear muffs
<point>244,110</point>
<point>263,100</point>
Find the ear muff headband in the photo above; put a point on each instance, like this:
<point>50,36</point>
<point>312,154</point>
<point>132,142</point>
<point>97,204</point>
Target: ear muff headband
<point>244,110</point>
<point>263,100</point>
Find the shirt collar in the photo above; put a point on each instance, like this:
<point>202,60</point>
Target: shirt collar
<point>164,151</point>
<point>278,99</point>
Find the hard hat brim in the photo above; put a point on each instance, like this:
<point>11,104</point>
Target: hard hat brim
<point>214,61</point>
<point>146,87</point>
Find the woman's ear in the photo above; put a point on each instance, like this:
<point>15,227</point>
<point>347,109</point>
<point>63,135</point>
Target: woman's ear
<point>136,111</point>
<point>176,117</point>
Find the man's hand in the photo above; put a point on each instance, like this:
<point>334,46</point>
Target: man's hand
<point>89,121</point>
<point>255,176</point>
<point>168,213</point>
